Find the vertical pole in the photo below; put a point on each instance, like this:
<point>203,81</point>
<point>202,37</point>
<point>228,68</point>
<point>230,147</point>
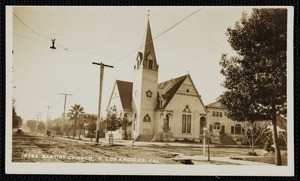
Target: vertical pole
<point>36,123</point>
<point>47,117</point>
<point>204,140</point>
<point>64,115</point>
<point>99,127</point>
<point>208,154</point>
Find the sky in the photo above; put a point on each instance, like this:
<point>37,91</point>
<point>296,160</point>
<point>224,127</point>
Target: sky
<point>111,35</point>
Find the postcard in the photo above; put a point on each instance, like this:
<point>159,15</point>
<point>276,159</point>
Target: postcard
<point>160,90</point>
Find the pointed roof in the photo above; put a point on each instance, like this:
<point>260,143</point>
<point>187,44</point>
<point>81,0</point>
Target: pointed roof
<point>147,45</point>
<point>166,90</point>
<point>169,88</point>
<point>125,92</point>
<point>147,48</point>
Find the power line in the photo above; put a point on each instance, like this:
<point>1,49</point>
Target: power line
<point>162,33</point>
<point>30,27</point>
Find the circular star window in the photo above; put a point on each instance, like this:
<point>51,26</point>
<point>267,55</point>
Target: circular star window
<point>149,93</point>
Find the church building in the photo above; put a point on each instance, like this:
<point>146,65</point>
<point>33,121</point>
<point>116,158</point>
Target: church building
<point>172,109</point>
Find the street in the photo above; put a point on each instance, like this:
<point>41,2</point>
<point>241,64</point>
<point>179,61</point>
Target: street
<point>28,148</point>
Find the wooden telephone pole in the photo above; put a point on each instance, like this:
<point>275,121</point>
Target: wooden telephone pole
<point>48,107</point>
<point>99,126</point>
<point>64,116</point>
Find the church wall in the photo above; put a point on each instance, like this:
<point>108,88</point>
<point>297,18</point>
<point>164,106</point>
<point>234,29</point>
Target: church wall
<point>145,80</point>
<point>177,105</point>
<point>116,101</point>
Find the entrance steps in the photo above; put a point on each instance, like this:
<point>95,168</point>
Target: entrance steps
<point>145,138</point>
<point>227,140</point>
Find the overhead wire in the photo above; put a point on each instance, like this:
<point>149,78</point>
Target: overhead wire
<point>159,35</point>
<point>118,60</point>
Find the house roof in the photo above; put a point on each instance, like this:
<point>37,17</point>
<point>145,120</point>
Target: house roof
<point>216,104</point>
<point>125,91</point>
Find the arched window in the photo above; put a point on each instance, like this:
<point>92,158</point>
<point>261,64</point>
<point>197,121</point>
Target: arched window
<point>147,118</point>
<point>217,125</point>
<point>237,129</point>
<point>186,120</point>
<point>150,64</point>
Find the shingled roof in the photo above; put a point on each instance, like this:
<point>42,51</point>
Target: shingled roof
<point>168,89</point>
<point>125,91</point>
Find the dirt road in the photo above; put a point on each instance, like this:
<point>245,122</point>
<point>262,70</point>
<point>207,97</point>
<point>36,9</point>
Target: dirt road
<point>43,149</point>
<point>28,148</point>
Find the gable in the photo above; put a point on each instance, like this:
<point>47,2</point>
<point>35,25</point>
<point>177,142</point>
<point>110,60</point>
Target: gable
<point>121,95</point>
<point>187,88</point>
<point>167,89</point>
<point>184,97</point>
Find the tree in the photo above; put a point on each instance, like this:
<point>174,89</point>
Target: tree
<point>31,124</point>
<point>17,120</point>
<point>111,122</point>
<point>256,77</point>
<point>256,132</point>
<point>41,127</point>
<point>75,115</point>
<point>91,121</point>
<point>124,123</point>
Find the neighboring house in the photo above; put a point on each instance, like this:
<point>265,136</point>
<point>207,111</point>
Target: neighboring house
<point>217,122</point>
<point>151,105</point>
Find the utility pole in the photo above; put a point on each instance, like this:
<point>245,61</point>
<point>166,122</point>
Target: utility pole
<point>48,107</point>
<point>38,116</point>
<point>99,126</point>
<point>64,116</point>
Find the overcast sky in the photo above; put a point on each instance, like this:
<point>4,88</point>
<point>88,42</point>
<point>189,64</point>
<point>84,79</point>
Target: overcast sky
<point>111,35</point>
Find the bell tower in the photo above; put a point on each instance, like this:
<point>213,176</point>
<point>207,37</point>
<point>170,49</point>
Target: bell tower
<point>145,86</point>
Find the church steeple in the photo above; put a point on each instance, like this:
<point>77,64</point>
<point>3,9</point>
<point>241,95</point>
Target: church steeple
<point>146,56</point>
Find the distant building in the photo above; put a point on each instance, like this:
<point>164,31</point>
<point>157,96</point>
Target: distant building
<point>218,122</point>
<point>152,106</point>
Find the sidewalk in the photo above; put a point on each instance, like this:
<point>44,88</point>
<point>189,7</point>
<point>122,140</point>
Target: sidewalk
<point>220,159</point>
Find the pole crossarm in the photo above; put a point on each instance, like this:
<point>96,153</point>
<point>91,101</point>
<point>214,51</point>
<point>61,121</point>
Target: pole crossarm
<point>102,64</point>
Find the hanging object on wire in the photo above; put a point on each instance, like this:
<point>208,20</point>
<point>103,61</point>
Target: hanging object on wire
<point>53,42</point>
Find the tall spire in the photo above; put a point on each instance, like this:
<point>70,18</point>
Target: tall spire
<point>147,48</point>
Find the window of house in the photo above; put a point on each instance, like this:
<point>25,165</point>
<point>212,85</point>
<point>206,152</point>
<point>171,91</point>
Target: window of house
<point>186,120</point>
<point>232,129</point>
<point>217,125</point>
<point>217,113</point>
<point>210,128</point>
<point>237,129</point>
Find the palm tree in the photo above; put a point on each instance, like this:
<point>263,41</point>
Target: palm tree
<point>76,113</point>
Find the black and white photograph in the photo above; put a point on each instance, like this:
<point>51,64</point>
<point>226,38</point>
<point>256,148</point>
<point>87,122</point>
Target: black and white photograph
<point>149,90</point>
